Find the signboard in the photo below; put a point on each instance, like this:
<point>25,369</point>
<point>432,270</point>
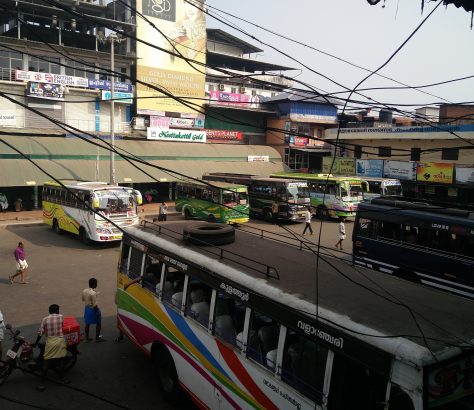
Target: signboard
<point>181,122</point>
<point>321,119</point>
<point>342,166</point>
<point>258,158</point>
<point>224,136</point>
<point>159,122</point>
<point>183,25</point>
<point>166,134</point>
<point>464,175</point>
<point>232,99</point>
<point>369,168</point>
<point>51,78</point>
<point>46,91</point>
<point>105,85</point>
<point>7,118</point>
<point>436,172</point>
<point>403,170</point>
<point>127,97</point>
<point>301,141</point>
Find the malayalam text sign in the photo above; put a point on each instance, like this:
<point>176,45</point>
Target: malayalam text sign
<point>342,166</point>
<point>436,172</point>
<point>403,170</point>
<point>369,167</point>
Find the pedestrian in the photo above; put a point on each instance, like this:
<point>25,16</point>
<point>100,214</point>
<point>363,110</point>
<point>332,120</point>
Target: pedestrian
<point>2,333</point>
<point>308,221</point>
<point>162,215</point>
<point>92,313</point>
<point>21,264</point>
<point>342,232</point>
<point>274,211</point>
<point>55,349</point>
<point>3,202</point>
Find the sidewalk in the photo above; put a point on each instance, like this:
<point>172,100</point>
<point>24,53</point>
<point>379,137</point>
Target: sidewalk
<point>36,215</point>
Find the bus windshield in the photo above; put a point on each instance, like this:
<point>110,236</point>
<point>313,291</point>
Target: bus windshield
<point>234,198</point>
<point>395,190</point>
<point>298,193</point>
<point>115,201</point>
<point>354,192</point>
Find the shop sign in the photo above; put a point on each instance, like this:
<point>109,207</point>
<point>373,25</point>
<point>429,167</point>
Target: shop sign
<point>7,118</point>
<point>369,168</point>
<point>234,99</point>
<point>106,85</point>
<point>403,170</point>
<point>301,141</point>
<point>258,158</point>
<point>341,166</point>
<point>51,78</point>
<point>166,134</point>
<point>464,175</point>
<point>437,172</point>
<point>159,122</point>
<point>224,135</point>
<point>181,122</point>
<point>127,98</point>
<point>46,91</point>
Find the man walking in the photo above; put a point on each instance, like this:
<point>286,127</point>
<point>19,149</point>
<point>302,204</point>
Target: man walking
<point>308,221</point>
<point>163,212</point>
<point>342,233</point>
<point>55,348</point>
<point>21,264</point>
<point>92,313</point>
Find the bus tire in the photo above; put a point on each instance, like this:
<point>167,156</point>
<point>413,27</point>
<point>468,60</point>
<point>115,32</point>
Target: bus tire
<point>209,234</point>
<point>268,215</point>
<point>168,382</point>
<point>322,213</point>
<point>187,214</point>
<point>407,275</point>
<point>83,236</point>
<point>56,227</point>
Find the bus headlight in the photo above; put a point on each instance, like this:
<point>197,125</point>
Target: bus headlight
<point>104,231</point>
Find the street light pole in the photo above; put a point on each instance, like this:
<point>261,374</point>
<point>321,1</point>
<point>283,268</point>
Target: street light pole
<point>112,38</point>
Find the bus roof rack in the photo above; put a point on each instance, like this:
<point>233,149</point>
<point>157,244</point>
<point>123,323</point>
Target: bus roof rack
<point>398,202</point>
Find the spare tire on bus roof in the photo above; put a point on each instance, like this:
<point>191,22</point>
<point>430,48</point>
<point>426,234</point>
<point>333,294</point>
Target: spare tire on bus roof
<point>206,234</point>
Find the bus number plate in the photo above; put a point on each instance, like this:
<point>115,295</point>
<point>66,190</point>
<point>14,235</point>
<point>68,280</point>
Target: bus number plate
<point>11,354</point>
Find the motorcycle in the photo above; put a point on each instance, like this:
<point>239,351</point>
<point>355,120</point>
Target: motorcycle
<point>22,356</point>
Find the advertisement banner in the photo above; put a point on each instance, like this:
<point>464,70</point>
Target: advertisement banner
<point>233,99</point>
<point>403,170</point>
<point>436,172</point>
<point>464,175</point>
<point>46,91</point>
<point>301,141</point>
<point>258,158</point>
<point>183,22</point>
<point>7,118</point>
<point>49,78</point>
<point>342,166</point>
<point>181,123</point>
<point>127,98</point>
<point>224,136</point>
<point>369,168</point>
<point>105,85</point>
<point>165,134</point>
<point>159,122</point>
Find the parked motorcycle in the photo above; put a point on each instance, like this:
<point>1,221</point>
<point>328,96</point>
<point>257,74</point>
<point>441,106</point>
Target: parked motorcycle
<point>25,357</point>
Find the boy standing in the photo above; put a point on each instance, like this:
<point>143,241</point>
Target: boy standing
<point>92,313</point>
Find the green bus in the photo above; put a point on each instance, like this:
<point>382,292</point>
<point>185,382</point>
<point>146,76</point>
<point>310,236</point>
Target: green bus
<point>221,202</point>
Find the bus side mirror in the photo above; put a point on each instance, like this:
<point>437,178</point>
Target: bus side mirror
<point>138,196</point>
<point>95,203</point>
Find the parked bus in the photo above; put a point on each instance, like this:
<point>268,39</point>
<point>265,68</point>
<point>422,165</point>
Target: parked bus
<point>377,187</point>
<point>331,196</point>
<point>221,202</point>
<point>236,326</point>
<point>64,211</point>
<point>425,243</point>
<point>292,197</point>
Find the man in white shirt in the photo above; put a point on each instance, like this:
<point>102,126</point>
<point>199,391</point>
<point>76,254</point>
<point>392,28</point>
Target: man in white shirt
<point>308,221</point>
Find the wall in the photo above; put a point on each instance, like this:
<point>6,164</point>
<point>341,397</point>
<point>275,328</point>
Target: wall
<point>8,107</point>
<point>276,139</point>
<point>447,113</point>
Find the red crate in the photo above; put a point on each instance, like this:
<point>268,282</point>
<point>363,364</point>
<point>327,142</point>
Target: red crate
<point>71,330</point>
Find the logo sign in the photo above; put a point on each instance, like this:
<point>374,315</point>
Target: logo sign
<point>106,85</point>
<point>258,158</point>
<point>161,9</point>
<point>165,134</point>
<point>438,172</point>
<point>127,98</point>
<point>7,118</point>
<point>224,135</point>
<point>46,91</point>
<point>51,78</point>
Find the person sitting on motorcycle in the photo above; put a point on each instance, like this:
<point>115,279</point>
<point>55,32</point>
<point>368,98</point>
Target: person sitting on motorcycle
<point>55,348</point>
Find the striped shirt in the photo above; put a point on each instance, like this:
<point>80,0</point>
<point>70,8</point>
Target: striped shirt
<point>51,325</point>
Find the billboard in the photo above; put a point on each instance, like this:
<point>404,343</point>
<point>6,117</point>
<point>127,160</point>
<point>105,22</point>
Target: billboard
<point>437,172</point>
<point>46,91</point>
<point>49,78</point>
<point>183,26</point>
<point>464,175</point>
<point>403,170</point>
<point>369,168</point>
<point>166,134</point>
<point>342,166</point>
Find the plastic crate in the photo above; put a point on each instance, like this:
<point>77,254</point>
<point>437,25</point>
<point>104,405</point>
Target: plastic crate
<point>71,330</point>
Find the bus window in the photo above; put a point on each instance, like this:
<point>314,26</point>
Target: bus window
<point>198,301</point>
<point>262,340</point>
<point>135,266</point>
<point>173,286</point>
<point>229,317</point>
<point>304,365</point>
<point>411,235</point>
<point>152,274</point>
<point>389,230</point>
<point>366,228</point>
<point>124,257</point>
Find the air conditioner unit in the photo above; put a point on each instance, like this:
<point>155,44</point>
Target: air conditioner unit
<point>242,90</point>
<point>222,87</point>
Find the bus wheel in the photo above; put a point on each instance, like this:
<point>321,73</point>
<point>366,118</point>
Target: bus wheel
<point>209,234</point>
<point>407,275</point>
<point>267,215</point>
<point>56,227</point>
<point>322,213</point>
<point>187,214</point>
<point>167,375</point>
<point>83,236</point>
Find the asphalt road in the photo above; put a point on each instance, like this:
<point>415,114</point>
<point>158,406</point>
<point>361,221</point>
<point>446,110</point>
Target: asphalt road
<point>108,375</point>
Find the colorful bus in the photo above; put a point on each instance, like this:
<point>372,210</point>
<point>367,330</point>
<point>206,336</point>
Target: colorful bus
<point>424,243</point>
<point>292,197</point>
<point>247,326</point>
<point>377,187</point>
<point>217,201</point>
<point>331,196</point>
<point>67,209</point>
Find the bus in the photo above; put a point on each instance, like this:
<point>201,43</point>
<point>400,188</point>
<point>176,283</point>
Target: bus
<point>418,241</point>
<point>292,197</point>
<point>67,209</point>
<point>236,327</point>
<point>219,202</point>
<point>377,187</point>
<point>331,196</point>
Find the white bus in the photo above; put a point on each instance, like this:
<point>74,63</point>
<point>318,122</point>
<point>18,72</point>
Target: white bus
<point>246,325</point>
<point>382,187</point>
<point>64,211</point>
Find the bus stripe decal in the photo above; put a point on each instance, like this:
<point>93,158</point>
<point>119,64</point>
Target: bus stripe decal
<point>234,364</point>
